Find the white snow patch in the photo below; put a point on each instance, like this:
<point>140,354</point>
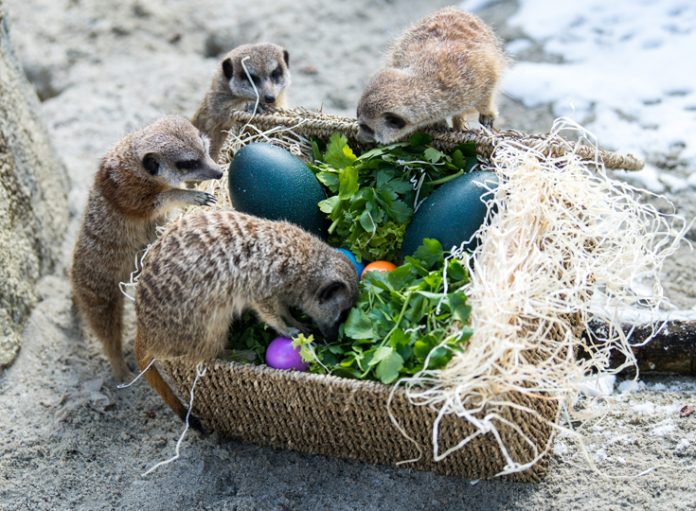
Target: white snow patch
<point>513,48</point>
<point>601,455</point>
<point>628,71</point>
<point>663,429</point>
<point>630,386</point>
<point>691,181</point>
<point>682,445</point>
<point>601,385</point>
<point>475,5</point>
<point>559,449</point>
<point>646,408</point>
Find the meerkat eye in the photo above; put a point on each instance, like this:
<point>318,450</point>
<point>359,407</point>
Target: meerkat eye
<point>394,121</point>
<point>344,315</point>
<point>328,292</point>
<point>366,128</point>
<point>254,78</point>
<point>188,164</point>
<point>277,73</point>
<point>151,164</point>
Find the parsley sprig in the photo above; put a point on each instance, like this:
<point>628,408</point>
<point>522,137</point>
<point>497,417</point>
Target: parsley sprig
<point>404,321</point>
<point>375,194</point>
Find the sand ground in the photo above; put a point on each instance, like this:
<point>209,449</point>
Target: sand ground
<point>70,440</point>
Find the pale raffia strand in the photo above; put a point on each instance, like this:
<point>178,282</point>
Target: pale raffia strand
<point>503,427</point>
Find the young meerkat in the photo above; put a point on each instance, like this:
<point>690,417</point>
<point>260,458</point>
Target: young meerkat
<point>268,67</point>
<point>135,186</point>
<point>447,65</point>
<point>209,267</point>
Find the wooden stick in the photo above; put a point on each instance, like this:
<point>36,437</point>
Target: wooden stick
<point>671,351</point>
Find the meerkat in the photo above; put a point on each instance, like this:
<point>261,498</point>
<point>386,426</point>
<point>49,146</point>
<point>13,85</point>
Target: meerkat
<point>134,188</point>
<point>207,268</point>
<point>231,89</point>
<point>447,65</point>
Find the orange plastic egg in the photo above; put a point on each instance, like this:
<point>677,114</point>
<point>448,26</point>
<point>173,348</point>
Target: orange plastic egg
<point>383,266</point>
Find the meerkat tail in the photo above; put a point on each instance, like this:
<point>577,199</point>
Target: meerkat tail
<point>154,378</point>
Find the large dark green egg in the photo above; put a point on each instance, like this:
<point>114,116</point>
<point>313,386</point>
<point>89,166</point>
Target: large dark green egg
<point>269,182</point>
<point>452,213</point>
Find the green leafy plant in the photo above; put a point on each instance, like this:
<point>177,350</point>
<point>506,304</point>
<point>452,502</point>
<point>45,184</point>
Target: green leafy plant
<point>375,193</point>
<point>412,318</point>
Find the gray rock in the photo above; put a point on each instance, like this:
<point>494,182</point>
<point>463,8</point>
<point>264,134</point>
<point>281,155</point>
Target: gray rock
<point>33,196</point>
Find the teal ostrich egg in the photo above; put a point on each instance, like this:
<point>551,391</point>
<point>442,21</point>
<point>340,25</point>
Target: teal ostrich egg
<point>270,182</point>
<point>452,213</point>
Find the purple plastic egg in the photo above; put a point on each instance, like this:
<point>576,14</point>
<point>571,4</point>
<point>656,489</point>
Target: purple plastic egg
<point>281,355</point>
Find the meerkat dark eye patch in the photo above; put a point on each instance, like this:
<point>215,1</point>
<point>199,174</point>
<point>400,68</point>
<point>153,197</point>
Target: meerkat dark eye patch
<point>394,121</point>
<point>277,73</point>
<point>254,78</point>
<point>151,164</point>
<point>330,290</point>
<point>227,69</point>
<point>367,129</point>
<point>344,315</point>
<point>188,164</point>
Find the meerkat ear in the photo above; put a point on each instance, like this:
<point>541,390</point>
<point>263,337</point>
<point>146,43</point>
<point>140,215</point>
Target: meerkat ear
<point>330,290</point>
<point>151,164</point>
<point>227,68</point>
<point>286,58</point>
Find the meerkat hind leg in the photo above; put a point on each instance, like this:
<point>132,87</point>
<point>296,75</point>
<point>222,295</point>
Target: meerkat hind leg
<point>106,320</point>
<point>143,358</point>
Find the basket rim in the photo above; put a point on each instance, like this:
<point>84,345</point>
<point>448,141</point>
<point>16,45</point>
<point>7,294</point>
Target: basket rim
<point>318,123</point>
<point>232,366</point>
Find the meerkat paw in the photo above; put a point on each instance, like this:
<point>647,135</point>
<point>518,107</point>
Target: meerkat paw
<point>122,373</point>
<point>199,198</point>
<point>292,331</point>
<point>254,108</point>
<point>299,326</point>
<point>486,121</point>
<point>195,423</point>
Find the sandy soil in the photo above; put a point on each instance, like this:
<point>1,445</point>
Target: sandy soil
<point>70,440</point>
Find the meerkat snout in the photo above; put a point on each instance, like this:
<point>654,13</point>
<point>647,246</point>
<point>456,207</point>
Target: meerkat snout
<point>182,156</point>
<point>259,68</point>
<point>334,300</point>
<point>448,65</point>
<point>385,107</point>
<point>245,74</point>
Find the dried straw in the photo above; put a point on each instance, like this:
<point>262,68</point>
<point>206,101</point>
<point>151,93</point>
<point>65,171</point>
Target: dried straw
<point>564,234</point>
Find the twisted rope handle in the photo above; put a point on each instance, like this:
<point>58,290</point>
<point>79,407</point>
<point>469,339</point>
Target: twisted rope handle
<point>311,123</point>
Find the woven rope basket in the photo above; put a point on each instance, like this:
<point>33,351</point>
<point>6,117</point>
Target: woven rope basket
<point>346,418</point>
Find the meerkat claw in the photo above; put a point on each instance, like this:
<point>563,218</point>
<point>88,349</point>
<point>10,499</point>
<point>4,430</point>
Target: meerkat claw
<point>486,121</point>
<point>204,199</point>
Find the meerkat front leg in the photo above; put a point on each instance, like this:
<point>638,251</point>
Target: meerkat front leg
<point>178,197</point>
<point>290,319</point>
<point>459,122</point>
<point>273,313</point>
